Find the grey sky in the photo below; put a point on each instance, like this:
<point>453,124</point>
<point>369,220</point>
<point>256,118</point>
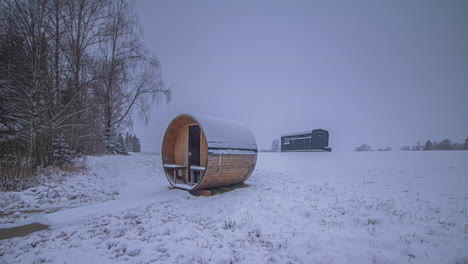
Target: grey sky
<point>383,73</point>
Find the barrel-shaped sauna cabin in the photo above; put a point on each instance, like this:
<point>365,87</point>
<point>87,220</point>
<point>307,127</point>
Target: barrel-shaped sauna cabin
<point>201,152</point>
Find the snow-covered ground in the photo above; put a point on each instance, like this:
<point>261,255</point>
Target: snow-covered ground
<point>376,207</point>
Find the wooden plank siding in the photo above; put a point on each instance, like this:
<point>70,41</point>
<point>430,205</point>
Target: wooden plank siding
<point>232,169</point>
<point>204,149</point>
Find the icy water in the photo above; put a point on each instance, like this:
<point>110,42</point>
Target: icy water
<point>19,231</point>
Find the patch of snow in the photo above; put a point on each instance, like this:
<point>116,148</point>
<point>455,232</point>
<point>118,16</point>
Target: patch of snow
<point>307,132</point>
<point>375,207</point>
<point>174,166</point>
<point>105,178</point>
<point>183,186</point>
<point>231,152</point>
<point>198,168</point>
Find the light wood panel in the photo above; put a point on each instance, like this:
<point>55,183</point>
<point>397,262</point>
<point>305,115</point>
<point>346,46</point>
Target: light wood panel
<point>232,169</point>
<point>203,149</point>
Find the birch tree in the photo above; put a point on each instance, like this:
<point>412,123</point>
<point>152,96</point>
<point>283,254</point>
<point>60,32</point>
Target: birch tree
<point>81,36</point>
<point>129,77</point>
<point>26,76</point>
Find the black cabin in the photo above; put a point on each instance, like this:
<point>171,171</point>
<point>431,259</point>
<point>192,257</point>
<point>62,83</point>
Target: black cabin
<point>315,140</point>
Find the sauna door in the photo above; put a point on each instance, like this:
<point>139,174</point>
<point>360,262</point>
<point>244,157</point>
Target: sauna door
<point>194,145</point>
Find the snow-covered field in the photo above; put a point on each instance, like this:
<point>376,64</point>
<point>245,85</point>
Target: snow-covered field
<point>376,207</point>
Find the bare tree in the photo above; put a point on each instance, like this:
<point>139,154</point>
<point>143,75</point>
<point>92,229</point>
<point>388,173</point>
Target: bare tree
<point>275,145</point>
<point>363,147</point>
<point>26,76</point>
<point>129,78</point>
<point>385,149</point>
<point>445,144</point>
<point>81,35</point>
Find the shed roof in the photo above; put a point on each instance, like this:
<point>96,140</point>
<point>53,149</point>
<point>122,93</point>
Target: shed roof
<point>226,136</point>
<point>297,133</point>
<point>302,132</point>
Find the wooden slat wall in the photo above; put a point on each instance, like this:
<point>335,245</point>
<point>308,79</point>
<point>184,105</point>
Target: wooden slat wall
<point>210,172</point>
<point>171,145</point>
<point>181,146</point>
<point>234,169</point>
<point>168,146</point>
<point>175,144</point>
<point>203,150</point>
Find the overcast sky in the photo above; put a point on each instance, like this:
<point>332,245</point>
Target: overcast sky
<point>386,73</point>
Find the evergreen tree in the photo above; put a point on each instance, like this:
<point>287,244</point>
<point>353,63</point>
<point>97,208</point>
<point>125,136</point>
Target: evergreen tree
<point>466,144</point>
<point>132,143</point>
<point>136,144</point>
<point>445,144</point>
<point>115,144</point>
<point>120,145</point>
<point>128,142</point>
<point>428,145</point>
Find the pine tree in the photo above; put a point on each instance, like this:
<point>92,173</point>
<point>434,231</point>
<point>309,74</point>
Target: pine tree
<point>136,144</point>
<point>128,142</point>
<point>428,145</point>
<point>465,146</point>
<point>132,143</point>
<point>120,145</point>
<point>115,144</point>
<point>445,144</point>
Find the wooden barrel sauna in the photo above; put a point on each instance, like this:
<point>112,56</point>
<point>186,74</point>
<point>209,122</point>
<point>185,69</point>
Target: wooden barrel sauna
<point>201,152</point>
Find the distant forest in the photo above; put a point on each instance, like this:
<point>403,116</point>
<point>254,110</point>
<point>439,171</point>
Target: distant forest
<point>72,76</point>
<point>445,144</point>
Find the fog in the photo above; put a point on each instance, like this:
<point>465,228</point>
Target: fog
<point>382,73</point>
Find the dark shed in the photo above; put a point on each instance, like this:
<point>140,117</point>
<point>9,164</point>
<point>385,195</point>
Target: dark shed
<point>311,140</point>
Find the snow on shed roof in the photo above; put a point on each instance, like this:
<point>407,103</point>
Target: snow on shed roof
<point>226,136</point>
<point>302,132</point>
<point>297,133</point>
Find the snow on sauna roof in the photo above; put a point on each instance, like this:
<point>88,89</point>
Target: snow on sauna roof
<point>226,136</point>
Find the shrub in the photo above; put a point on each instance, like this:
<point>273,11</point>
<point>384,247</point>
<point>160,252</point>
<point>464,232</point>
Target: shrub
<point>363,147</point>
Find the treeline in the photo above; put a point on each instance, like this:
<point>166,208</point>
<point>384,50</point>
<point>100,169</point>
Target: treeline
<point>367,147</point>
<point>445,144</point>
<point>72,74</point>
<point>122,145</point>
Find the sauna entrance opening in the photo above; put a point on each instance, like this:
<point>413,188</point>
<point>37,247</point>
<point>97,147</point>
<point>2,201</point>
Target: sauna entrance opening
<point>194,145</point>
<point>194,152</point>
